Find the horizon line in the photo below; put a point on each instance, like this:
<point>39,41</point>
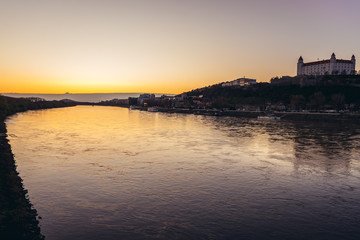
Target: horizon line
<point>68,93</point>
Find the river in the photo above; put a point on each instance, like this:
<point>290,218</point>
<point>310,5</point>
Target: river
<point>113,173</point>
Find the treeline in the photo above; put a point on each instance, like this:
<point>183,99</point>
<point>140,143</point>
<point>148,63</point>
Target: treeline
<point>10,105</point>
<point>290,97</point>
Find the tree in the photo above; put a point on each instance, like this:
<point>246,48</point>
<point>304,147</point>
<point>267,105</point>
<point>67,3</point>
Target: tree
<point>297,102</point>
<point>338,100</point>
<point>4,107</point>
<point>317,100</point>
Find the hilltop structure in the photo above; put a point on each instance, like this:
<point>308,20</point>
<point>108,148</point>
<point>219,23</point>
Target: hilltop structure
<point>239,82</point>
<point>330,66</point>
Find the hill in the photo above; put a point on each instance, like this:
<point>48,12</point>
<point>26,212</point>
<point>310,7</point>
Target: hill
<point>291,97</point>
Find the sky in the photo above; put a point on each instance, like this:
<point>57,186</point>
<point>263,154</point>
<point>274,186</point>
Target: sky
<point>165,46</point>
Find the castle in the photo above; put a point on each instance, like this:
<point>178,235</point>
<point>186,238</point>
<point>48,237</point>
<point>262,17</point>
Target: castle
<point>331,66</point>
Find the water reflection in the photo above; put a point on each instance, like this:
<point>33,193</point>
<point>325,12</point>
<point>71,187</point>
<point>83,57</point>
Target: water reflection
<point>111,173</point>
<point>330,146</point>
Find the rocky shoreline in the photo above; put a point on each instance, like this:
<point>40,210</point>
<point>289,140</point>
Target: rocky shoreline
<point>18,219</point>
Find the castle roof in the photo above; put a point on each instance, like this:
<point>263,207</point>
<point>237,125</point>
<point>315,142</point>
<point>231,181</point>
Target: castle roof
<point>343,61</point>
<point>326,61</point>
<point>316,63</point>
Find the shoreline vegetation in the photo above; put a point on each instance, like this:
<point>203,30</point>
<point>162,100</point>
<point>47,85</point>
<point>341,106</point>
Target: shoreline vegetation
<point>18,218</point>
<point>324,101</point>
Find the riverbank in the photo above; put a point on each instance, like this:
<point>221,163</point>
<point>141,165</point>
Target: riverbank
<point>18,219</point>
<point>306,116</point>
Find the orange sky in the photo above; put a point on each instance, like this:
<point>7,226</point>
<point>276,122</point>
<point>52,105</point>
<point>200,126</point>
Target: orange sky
<point>165,46</point>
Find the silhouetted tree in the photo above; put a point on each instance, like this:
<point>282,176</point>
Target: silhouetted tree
<point>338,100</point>
<point>317,100</point>
<point>297,102</point>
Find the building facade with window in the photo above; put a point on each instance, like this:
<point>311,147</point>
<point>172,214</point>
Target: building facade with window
<point>241,82</point>
<point>330,66</point>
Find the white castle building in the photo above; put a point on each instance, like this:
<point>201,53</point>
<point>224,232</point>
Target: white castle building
<point>330,66</point>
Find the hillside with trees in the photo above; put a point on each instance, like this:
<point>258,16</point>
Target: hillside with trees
<point>291,97</point>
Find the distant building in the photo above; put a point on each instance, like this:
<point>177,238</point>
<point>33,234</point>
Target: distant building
<point>120,101</point>
<point>330,66</point>
<point>180,100</point>
<point>37,99</point>
<point>239,82</point>
<point>145,98</point>
<point>181,97</point>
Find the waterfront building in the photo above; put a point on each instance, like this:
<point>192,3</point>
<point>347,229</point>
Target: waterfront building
<point>145,98</point>
<point>239,82</point>
<point>330,66</point>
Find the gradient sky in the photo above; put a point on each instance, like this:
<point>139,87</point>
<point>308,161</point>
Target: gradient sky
<point>165,46</point>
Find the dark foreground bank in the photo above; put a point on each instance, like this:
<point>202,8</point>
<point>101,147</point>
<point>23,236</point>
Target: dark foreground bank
<point>18,220</point>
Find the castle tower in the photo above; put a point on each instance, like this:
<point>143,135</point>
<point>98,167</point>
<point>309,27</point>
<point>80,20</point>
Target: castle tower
<point>300,66</point>
<point>353,61</point>
<point>333,64</point>
<point>333,57</point>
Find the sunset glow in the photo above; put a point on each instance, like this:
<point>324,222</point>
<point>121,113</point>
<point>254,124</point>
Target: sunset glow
<point>165,46</point>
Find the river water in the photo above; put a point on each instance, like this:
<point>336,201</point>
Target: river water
<point>112,173</point>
